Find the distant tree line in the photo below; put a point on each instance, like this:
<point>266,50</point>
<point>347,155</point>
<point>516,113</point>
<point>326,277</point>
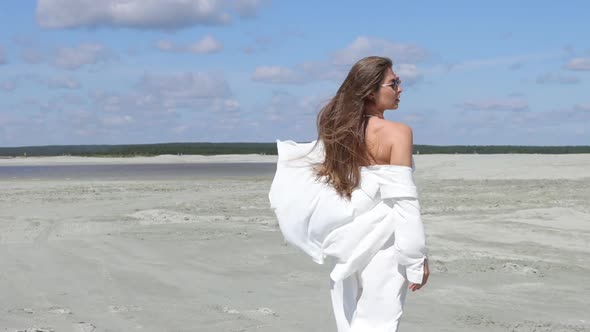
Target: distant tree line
<point>494,149</point>
<point>254,148</point>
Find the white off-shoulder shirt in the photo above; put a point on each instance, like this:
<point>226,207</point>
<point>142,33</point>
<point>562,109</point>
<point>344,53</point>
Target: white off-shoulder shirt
<point>313,217</point>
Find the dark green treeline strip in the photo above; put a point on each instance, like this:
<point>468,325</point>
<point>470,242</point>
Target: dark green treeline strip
<point>254,148</point>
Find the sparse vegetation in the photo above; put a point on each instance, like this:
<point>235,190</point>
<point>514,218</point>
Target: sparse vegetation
<point>254,148</point>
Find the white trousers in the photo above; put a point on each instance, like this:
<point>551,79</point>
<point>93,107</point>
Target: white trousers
<point>371,300</point>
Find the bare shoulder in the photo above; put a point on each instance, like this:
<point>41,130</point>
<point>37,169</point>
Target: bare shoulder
<point>396,133</point>
<point>399,137</point>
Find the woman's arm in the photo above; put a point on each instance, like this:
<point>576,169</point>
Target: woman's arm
<point>410,239</point>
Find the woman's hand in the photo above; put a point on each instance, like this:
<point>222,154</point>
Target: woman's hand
<point>415,287</point>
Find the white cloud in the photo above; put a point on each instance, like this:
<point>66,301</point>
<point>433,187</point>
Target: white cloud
<point>335,68</point>
<point>117,120</point>
<point>284,116</point>
<point>408,73</point>
<point>112,103</point>
<point>516,94</point>
<point>513,61</point>
<point>277,74</point>
<point>84,54</point>
<point>2,56</point>
<point>288,108</point>
<point>248,8</point>
<point>500,104</point>
<point>150,111</point>
<point>62,82</point>
<point>165,107</point>
<point>365,46</point>
<point>323,71</point>
<point>577,114</point>
<point>569,50</point>
<point>419,117</point>
<point>186,85</point>
<point>281,106</point>
<point>164,96</point>
<point>258,45</point>
<point>58,103</point>
<point>231,105</point>
<point>557,78</point>
<point>205,45</point>
<point>578,64</point>
<point>141,14</point>
<point>166,46</point>
<point>561,126</point>
<point>70,99</point>
<point>7,85</point>
<point>180,129</point>
<point>30,49</point>
<point>516,66</point>
<point>582,107</point>
<point>65,57</point>
<point>5,119</point>
<point>31,56</point>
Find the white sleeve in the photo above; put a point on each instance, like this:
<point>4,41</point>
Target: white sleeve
<point>410,239</point>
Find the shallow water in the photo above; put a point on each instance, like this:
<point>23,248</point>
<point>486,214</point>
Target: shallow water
<point>135,172</point>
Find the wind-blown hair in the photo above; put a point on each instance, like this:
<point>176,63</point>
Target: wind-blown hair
<point>341,125</point>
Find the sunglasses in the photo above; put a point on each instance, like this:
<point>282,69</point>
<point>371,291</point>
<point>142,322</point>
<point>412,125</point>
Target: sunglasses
<point>395,84</point>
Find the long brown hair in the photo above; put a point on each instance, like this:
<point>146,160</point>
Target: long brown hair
<point>341,125</point>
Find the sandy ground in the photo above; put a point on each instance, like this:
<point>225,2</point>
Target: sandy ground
<point>162,159</point>
<point>508,237</point>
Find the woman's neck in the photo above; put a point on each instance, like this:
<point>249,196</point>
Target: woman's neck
<point>380,116</point>
<point>371,110</point>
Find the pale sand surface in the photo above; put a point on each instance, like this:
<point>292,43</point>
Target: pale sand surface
<point>509,239</point>
<point>162,159</point>
<point>471,166</point>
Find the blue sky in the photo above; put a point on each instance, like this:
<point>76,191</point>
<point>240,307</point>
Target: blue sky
<point>150,71</point>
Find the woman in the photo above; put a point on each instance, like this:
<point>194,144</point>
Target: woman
<point>350,199</point>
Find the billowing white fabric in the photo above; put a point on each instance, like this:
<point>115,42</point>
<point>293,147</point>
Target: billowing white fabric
<point>313,217</point>
<point>371,300</point>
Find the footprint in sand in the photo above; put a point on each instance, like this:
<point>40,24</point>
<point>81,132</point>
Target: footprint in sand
<point>539,326</point>
<point>84,327</point>
<point>301,276</point>
<point>159,217</point>
<point>230,311</point>
<point>475,320</point>
<point>124,308</point>
<point>515,268</point>
<point>60,311</point>
<point>251,314</point>
<point>498,265</point>
<point>438,266</point>
<point>266,312</point>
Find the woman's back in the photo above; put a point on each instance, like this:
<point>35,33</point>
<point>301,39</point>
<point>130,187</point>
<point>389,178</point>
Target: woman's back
<point>389,143</point>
